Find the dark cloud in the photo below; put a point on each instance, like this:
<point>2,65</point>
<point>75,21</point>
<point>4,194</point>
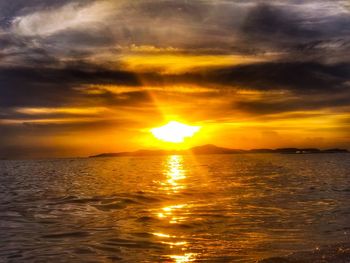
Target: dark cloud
<point>243,27</point>
<point>298,77</point>
<point>267,106</point>
<point>292,29</point>
<point>57,87</point>
<point>49,87</point>
<point>307,85</point>
<point>271,23</point>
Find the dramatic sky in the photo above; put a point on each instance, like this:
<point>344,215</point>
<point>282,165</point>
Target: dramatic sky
<point>79,77</point>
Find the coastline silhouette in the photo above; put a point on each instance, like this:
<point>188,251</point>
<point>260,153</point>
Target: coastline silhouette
<point>213,149</point>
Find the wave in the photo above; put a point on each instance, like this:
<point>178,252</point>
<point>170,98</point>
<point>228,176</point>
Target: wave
<point>336,253</point>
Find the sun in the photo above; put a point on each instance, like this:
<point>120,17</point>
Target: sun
<point>174,132</point>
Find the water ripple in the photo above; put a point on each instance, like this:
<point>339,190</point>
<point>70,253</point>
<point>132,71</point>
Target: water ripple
<point>215,208</point>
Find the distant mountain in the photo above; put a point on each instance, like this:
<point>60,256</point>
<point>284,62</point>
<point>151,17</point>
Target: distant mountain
<point>213,149</point>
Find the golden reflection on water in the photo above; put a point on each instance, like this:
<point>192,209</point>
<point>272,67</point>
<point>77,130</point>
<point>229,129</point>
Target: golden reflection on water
<point>170,213</point>
<point>188,257</point>
<point>174,183</point>
<point>175,174</point>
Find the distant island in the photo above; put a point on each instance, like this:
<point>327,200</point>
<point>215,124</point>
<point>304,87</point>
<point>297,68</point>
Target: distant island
<point>213,149</point>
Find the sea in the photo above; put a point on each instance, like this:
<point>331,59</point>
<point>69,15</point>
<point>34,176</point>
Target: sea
<point>204,208</point>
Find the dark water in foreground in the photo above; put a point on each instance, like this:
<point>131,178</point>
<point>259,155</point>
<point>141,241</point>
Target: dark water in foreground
<point>214,208</point>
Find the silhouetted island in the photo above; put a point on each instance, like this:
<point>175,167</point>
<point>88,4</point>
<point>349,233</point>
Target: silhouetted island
<point>213,149</point>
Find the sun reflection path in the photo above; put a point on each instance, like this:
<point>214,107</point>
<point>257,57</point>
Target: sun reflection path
<point>175,175</point>
<point>188,257</point>
<point>173,184</point>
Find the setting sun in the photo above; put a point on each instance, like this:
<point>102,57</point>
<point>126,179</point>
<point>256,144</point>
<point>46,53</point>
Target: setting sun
<point>174,132</point>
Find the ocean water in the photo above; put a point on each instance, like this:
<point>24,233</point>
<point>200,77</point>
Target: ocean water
<point>209,208</point>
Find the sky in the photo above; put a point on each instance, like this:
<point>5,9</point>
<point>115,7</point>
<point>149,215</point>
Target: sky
<point>81,77</point>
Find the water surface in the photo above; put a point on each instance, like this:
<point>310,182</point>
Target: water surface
<point>210,208</point>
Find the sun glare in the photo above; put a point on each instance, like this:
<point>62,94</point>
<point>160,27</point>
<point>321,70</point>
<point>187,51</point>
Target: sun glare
<point>174,132</point>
